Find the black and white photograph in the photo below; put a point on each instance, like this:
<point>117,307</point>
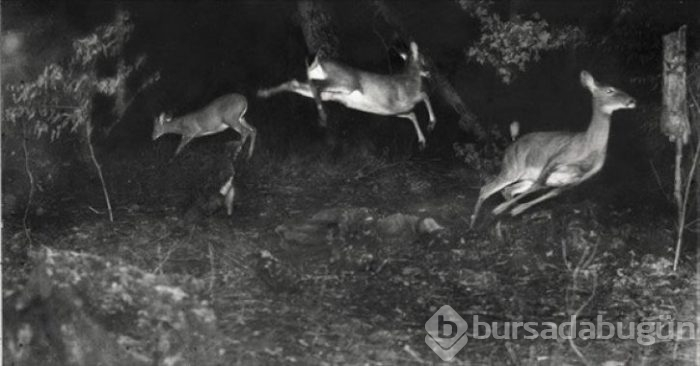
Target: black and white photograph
<point>336,182</point>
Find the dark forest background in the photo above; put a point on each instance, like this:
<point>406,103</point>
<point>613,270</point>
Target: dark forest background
<point>207,48</point>
<point>204,49</point>
<point>335,245</point>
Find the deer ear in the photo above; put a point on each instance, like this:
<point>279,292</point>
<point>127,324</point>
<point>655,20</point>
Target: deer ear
<point>587,80</point>
<point>414,49</point>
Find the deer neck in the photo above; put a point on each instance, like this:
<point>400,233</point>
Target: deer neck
<point>412,66</point>
<point>177,122</point>
<point>599,130</point>
<point>412,72</point>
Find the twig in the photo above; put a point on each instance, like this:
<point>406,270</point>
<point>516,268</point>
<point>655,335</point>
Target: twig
<point>212,280</point>
<point>512,354</point>
<point>31,185</point>
<point>658,178</point>
<point>584,262</point>
<point>171,250</point>
<point>381,39</point>
<point>359,175</point>
<point>413,354</point>
<point>109,129</point>
<point>682,209</point>
<point>88,129</point>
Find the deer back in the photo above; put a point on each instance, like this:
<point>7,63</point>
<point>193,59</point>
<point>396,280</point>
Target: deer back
<point>218,115</point>
<point>370,92</point>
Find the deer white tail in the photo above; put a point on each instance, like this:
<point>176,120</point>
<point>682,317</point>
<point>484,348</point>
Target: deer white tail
<point>556,160</point>
<point>514,130</point>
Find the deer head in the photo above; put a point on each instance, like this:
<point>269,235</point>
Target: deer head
<point>159,125</point>
<point>607,98</point>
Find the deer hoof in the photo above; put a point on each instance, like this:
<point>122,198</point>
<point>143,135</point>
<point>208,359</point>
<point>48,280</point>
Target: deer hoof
<point>421,145</point>
<point>431,126</point>
<point>499,209</point>
<point>263,93</point>
<point>472,221</point>
<point>518,210</point>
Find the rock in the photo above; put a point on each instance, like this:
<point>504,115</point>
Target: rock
<point>429,225</point>
<point>397,225</point>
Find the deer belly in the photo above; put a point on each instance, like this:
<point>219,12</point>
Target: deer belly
<point>210,131</point>
<point>365,103</point>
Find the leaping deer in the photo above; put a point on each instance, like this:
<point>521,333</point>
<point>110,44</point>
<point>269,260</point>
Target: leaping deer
<point>227,111</point>
<point>558,160</point>
<point>387,95</point>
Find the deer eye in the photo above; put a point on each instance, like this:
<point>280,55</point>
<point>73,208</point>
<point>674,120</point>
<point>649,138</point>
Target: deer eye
<point>610,90</point>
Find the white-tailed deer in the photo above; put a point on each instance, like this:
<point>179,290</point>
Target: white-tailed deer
<point>387,95</point>
<point>224,112</point>
<point>558,159</point>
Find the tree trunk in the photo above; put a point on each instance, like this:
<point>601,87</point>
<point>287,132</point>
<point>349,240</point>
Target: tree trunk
<point>674,121</point>
<point>674,115</point>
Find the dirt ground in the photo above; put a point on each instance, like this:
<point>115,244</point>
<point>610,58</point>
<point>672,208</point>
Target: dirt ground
<point>342,261</point>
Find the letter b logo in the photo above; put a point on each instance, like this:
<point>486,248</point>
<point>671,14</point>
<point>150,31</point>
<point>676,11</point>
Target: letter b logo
<point>446,333</point>
<point>442,324</point>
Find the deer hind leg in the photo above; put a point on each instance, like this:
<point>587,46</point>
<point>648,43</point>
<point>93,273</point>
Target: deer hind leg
<point>522,207</point>
<point>518,196</point>
<point>487,191</point>
<point>559,176</point>
<point>292,86</point>
<point>429,107</point>
<point>248,131</point>
<point>412,117</point>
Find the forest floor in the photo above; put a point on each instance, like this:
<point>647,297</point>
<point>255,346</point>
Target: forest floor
<point>344,262</point>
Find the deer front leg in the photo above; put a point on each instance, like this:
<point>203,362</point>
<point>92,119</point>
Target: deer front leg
<point>291,86</point>
<point>316,94</point>
<point>429,107</point>
<point>184,141</point>
<point>421,139</point>
<point>250,132</point>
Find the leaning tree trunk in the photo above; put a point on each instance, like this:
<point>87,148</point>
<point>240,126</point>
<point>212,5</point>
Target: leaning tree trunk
<point>317,25</point>
<point>467,120</point>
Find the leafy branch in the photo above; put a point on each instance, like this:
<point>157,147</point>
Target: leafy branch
<point>61,99</point>
<point>509,45</point>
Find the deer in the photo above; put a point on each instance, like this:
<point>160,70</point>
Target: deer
<point>225,112</point>
<point>381,94</point>
<point>556,160</point>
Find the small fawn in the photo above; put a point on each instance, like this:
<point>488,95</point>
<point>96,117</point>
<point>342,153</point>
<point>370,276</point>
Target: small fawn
<point>558,159</point>
<point>386,95</point>
<point>224,112</point>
